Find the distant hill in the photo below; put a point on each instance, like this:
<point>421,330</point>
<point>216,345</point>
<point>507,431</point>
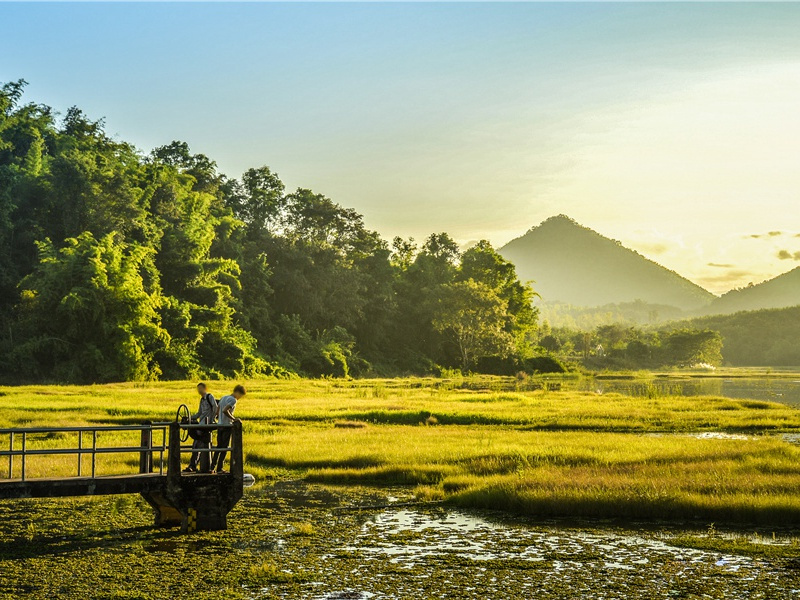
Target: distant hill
<point>635,313</point>
<point>780,292</point>
<point>574,265</point>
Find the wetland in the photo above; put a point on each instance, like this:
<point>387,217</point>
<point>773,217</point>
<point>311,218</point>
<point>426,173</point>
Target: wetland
<point>424,488</point>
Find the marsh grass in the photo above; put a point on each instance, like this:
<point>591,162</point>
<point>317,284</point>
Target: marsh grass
<point>303,529</point>
<point>540,452</point>
<point>737,543</point>
<point>268,572</point>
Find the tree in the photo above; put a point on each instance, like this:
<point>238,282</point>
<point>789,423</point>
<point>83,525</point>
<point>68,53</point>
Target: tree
<point>221,277</point>
<point>550,343</point>
<point>199,288</point>
<point>473,317</point>
<point>693,346</point>
<point>86,315</point>
<point>483,264</point>
<point>259,200</point>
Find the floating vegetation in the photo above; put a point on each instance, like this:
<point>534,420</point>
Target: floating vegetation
<point>288,542</point>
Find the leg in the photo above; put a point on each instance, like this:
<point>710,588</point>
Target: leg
<point>205,457</point>
<point>223,441</point>
<point>195,455</point>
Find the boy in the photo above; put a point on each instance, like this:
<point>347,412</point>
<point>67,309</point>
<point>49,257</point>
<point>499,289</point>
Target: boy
<point>227,404</point>
<point>206,415</point>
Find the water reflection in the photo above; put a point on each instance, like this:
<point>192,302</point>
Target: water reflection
<point>766,388</point>
<point>773,389</point>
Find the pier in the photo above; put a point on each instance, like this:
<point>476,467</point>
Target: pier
<point>193,501</point>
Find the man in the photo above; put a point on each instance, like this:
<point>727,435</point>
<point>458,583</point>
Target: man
<point>206,415</point>
<point>227,404</point>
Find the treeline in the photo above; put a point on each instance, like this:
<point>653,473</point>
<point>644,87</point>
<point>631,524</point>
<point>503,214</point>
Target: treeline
<point>115,265</point>
<point>637,313</point>
<point>762,338</point>
<point>620,346</point>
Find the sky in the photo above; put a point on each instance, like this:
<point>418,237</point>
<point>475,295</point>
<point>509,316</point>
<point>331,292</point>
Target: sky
<point>673,128</point>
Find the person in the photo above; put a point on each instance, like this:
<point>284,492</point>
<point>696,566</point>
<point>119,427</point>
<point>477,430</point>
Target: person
<point>206,415</point>
<point>227,404</point>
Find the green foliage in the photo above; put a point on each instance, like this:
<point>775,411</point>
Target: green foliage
<point>472,316</point>
<point>626,347</point>
<point>86,315</point>
<point>688,347</point>
<point>756,338</point>
<point>205,276</point>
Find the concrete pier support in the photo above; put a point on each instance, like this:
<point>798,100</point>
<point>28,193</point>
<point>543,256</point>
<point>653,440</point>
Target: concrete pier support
<point>198,501</point>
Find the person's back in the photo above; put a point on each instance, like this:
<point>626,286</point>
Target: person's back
<point>206,414</point>
<point>227,404</point>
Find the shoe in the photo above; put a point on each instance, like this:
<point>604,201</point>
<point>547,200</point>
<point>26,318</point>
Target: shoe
<point>190,470</point>
<point>221,472</point>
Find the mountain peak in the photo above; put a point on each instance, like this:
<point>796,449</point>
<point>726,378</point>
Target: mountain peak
<point>573,264</point>
<point>558,220</point>
<point>779,292</point>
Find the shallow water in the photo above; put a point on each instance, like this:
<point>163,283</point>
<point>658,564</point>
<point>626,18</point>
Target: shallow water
<point>411,552</point>
<point>759,388</point>
<point>775,389</point>
<point>296,541</point>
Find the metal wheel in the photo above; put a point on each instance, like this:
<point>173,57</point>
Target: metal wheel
<point>183,416</point>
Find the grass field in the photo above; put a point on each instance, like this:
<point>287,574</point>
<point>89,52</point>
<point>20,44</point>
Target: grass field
<point>542,452</point>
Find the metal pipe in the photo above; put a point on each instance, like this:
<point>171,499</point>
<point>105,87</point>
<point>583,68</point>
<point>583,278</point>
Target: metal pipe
<point>24,440</point>
<point>83,428</point>
<point>94,452</point>
<point>167,442</point>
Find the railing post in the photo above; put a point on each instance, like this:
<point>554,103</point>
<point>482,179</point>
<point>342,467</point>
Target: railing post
<point>80,451</point>
<point>174,456</point>
<point>94,453</point>
<point>161,450</point>
<point>237,453</point>
<point>24,440</point>
<point>146,455</point>
<point>11,456</point>
<point>205,457</point>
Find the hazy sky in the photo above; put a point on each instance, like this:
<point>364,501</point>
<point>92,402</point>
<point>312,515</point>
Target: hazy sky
<point>673,128</point>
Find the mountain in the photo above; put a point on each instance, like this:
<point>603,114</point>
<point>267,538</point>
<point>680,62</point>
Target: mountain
<point>780,292</point>
<point>572,264</point>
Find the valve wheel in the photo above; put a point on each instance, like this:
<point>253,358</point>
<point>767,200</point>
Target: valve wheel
<point>183,416</point>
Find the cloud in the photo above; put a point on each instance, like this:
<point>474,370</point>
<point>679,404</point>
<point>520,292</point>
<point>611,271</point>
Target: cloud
<point>786,255</point>
<point>720,265</point>
<point>757,236</point>
<point>652,247</point>
<point>732,276</point>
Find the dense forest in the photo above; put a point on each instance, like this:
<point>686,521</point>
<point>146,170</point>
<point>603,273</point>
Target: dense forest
<point>758,338</point>
<point>762,338</point>
<point>620,346</point>
<point>120,265</point>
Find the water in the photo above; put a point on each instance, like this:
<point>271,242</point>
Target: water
<point>785,390</point>
<point>416,553</point>
<point>774,389</point>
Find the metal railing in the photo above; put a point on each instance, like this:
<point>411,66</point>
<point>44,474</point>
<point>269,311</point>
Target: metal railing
<point>19,445</point>
<point>162,433</point>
